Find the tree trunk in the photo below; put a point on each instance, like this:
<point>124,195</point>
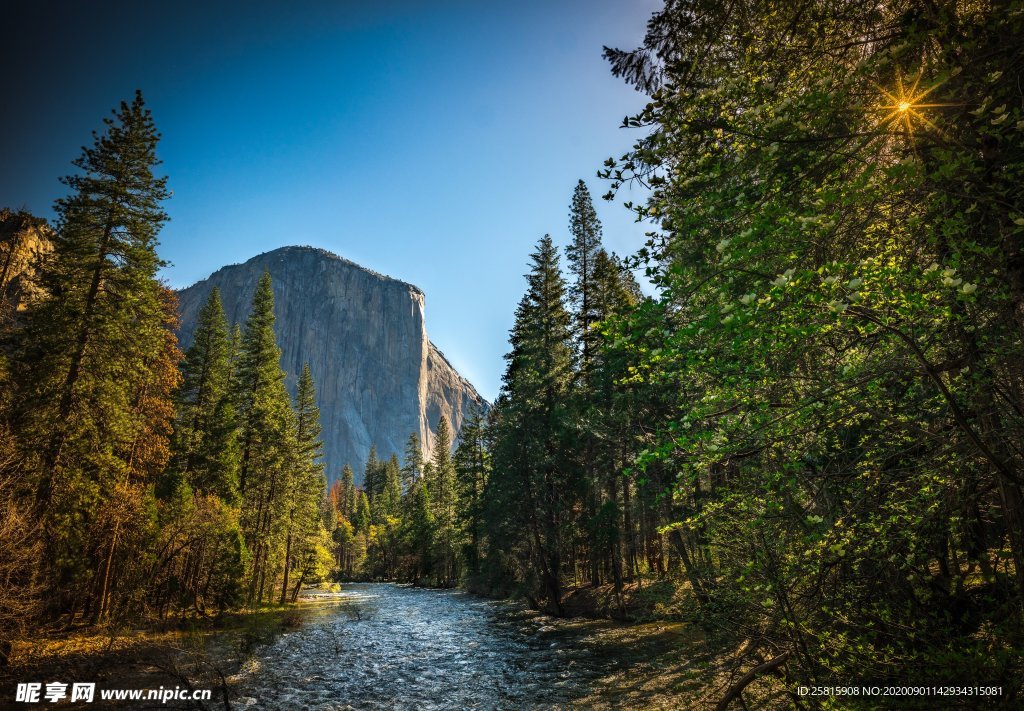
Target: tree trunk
<point>45,491</point>
<point>627,525</point>
<point>287,563</point>
<point>101,609</point>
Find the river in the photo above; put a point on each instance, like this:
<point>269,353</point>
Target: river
<point>383,646</point>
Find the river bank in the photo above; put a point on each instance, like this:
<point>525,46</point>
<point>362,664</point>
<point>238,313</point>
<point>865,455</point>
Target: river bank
<point>388,646</point>
<point>385,646</point>
<point>184,654</point>
<point>639,601</point>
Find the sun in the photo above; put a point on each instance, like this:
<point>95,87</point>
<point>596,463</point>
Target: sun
<point>906,104</point>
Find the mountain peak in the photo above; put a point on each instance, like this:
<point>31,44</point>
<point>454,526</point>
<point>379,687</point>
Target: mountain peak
<point>309,251</point>
<point>378,376</point>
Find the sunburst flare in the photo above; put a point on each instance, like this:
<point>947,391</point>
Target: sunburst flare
<point>906,105</point>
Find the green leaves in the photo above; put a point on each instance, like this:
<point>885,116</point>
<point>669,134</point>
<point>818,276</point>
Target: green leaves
<point>95,366</point>
<point>835,287</point>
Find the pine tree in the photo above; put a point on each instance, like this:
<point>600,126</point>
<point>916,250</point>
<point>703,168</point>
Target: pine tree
<point>92,350</point>
<point>125,527</point>
<point>348,493</point>
<point>361,520</point>
<point>472,466</point>
<point>530,498</point>
<point>582,255</point>
<point>268,444</point>
<point>344,537</point>
<point>371,474</point>
<point>235,349</point>
<point>421,533</point>
<point>391,492</point>
<point>604,428</point>
<point>205,442</point>
<point>444,500</point>
<point>412,465</point>
<point>585,257</point>
<point>259,378</point>
<point>308,429</point>
<point>386,509</point>
<point>305,486</point>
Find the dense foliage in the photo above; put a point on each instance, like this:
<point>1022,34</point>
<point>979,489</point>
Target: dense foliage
<point>133,479</point>
<point>820,410</point>
<point>814,424</point>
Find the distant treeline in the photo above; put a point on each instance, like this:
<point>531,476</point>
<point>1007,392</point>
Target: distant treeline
<point>534,494</point>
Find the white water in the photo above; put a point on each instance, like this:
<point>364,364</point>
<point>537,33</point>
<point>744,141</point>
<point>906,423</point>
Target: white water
<point>381,646</point>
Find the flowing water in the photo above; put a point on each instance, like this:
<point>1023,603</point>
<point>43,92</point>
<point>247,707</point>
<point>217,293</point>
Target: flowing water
<point>382,646</point>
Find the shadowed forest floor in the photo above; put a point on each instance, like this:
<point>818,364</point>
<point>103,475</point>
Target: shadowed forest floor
<point>200,655</point>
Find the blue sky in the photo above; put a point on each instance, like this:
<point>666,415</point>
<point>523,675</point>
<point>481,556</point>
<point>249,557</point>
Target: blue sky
<point>434,142</point>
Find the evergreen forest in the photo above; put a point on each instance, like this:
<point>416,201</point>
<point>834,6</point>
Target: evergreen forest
<point>799,406</point>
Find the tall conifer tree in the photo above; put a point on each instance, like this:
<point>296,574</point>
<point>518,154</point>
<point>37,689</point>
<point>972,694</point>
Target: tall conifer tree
<point>306,485</point>
<point>391,490</point>
<point>371,474</point>
<point>532,423</point>
<point>205,439</point>
<point>420,530</point>
<point>348,493</point>
<point>412,464</point>
<point>361,520</point>
<point>443,497</point>
<point>94,348</point>
<point>267,437</point>
<point>581,255</point>
<point>472,466</point>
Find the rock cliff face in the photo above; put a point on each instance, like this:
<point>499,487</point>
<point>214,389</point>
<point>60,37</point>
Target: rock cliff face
<point>378,376</point>
<point>22,238</point>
